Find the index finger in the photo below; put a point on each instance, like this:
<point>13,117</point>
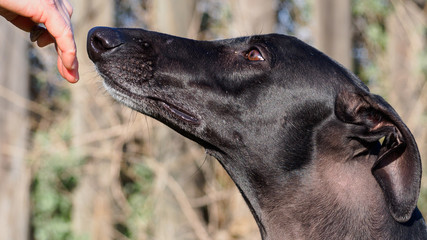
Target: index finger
<point>59,26</point>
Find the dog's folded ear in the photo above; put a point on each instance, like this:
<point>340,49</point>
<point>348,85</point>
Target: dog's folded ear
<point>397,168</point>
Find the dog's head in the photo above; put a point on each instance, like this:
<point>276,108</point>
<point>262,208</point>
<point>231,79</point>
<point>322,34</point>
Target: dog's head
<point>270,108</point>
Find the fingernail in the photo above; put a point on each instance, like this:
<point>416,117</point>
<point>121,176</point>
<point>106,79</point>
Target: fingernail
<point>75,64</point>
<point>75,69</point>
<point>76,74</point>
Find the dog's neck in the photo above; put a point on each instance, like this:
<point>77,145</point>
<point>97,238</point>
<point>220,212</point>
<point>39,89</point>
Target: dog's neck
<point>301,206</point>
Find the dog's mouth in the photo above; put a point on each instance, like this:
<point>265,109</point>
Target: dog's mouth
<point>178,112</point>
<point>134,101</point>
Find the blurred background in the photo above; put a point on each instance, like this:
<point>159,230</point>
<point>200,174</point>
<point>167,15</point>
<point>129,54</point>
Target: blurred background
<point>74,164</point>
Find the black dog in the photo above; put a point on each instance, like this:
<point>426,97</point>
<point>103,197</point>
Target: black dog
<point>313,152</point>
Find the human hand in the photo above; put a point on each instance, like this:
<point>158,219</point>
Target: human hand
<point>56,16</point>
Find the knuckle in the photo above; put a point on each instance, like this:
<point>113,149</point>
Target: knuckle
<point>50,3</point>
<point>67,31</point>
<point>70,10</point>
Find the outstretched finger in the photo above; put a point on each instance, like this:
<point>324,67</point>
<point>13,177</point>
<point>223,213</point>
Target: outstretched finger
<point>59,26</point>
<point>71,76</point>
<point>66,47</point>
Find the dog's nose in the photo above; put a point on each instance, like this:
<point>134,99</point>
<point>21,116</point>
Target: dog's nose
<point>101,40</point>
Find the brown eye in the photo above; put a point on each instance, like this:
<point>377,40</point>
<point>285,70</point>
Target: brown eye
<point>254,55</point>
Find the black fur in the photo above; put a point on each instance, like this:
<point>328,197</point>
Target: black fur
<point>297,133</point>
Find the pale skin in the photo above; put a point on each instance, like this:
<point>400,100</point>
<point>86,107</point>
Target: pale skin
<point>56,16</point>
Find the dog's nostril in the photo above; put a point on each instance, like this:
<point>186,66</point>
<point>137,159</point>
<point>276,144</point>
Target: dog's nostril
<point>105,42</point>
<point>98,43</point>
<point>102,39</point>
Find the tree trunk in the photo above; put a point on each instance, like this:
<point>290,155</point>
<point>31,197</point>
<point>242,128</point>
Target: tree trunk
<point>177,17</point>
<point>15,176</point>
<point>406,83</point>
<point>92,215</point>
<point>332,29</point>
<point>252,17</point>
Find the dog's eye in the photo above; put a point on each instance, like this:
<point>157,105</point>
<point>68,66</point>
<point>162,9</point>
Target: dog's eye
<point>254,55</point>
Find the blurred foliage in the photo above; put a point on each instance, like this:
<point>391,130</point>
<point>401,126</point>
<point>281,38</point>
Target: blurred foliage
<point>57,168</point>
<point>55,177</point>
<point>372,10</point>
<point>370,37</point>
<point>294,17</point>
<point>136,180</point>
<point>216,16</point>
<point>131,13</point>
<point>423,60</point>
<point>54,166</point>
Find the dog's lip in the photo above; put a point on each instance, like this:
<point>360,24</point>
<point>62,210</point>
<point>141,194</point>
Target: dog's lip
<point>177,111</point>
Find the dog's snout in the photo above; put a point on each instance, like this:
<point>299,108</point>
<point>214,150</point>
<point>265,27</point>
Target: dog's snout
<point>101,40</point>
